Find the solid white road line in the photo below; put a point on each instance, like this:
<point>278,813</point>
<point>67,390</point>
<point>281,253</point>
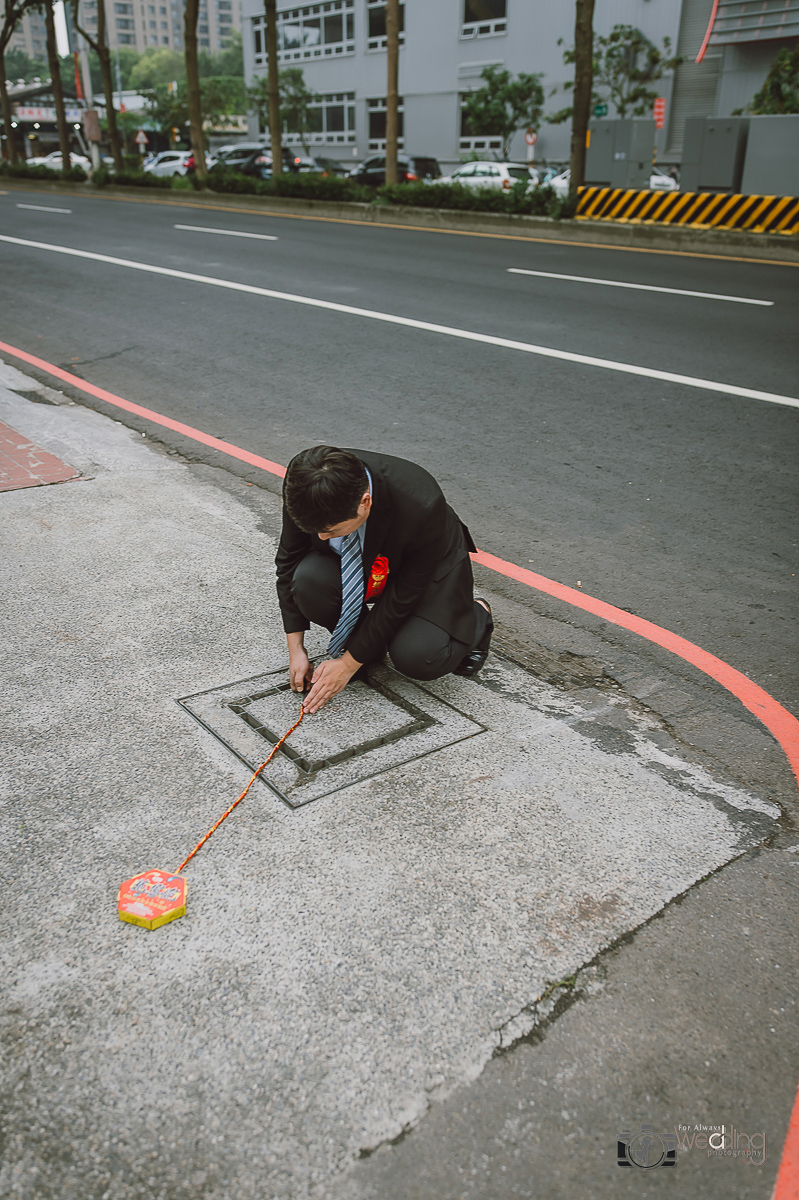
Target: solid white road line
<point>641,287</point>
<point>44,208</point>
<point>586,360</point>
<point>261,237</point>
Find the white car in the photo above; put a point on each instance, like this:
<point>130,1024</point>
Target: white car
<point>168,162</point>
<point>55,162</point>
<point>658,181</point>
<point>497,175</point>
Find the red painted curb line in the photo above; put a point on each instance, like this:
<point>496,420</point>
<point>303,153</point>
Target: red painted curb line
<point>787,1185</point>
<point>782,724</point>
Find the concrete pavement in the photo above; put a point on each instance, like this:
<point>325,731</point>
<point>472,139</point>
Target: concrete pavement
<point>346,969</point>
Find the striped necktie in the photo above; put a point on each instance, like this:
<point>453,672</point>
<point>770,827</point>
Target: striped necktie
<point>351,593</point>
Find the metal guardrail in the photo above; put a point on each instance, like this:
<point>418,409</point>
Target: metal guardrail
<point>694,210</point>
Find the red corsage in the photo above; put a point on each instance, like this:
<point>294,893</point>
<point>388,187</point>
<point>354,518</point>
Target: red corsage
<point>377,578</point>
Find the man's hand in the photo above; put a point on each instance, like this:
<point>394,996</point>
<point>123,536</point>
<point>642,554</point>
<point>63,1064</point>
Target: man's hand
<point>329,678</point>
<point>300,669</point>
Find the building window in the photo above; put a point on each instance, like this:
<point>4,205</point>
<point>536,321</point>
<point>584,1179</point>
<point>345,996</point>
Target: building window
<point>125,39</point>
<point>376,109</point>
<point>225,19</point>
<point>204,42</point>
<point>318,31</point>
<point>331,122</point>
<point>125,10</point>
<point>202,28</point>
<point>471,141</point>
<point>376,24</point>
<point>484,18</point>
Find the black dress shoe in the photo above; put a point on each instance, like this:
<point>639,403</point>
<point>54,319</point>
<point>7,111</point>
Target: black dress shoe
<point>475,659</point>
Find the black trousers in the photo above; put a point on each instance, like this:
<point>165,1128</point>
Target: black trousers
<point>420,649</point>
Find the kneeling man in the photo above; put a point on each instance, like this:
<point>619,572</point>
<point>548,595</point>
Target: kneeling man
<point>371,550</point>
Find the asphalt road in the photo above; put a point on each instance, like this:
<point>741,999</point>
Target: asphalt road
<point>671,501</point>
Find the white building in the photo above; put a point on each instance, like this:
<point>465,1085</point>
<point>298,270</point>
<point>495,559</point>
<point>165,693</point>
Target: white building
<point>445,44</point>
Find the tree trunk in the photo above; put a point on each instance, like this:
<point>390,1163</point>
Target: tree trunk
<point>58,88</point>
<point>273,85</point>
<point>8,116</point>
<point>392,89</point>
<point>104,55</point>
<point>193,94</point>
<point>583,87</point>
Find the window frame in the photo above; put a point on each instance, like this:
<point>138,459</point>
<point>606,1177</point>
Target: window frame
<point>313,50</point>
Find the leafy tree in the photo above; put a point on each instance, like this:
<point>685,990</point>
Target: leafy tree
<point>504,104</point>
<point>626,63</point>
<point>20,66</point>
<point>169,108</point>
<point>392,90</point>
<point>57,86</point>
<point>10,16</point>
<point>273,86</point>
<point>191,15</point>
<point>156,66</point>
<point>99,44</point>
<point>583,87</point>
<point>780,90</point>
<point>229,61</point>
<point>296,103</point>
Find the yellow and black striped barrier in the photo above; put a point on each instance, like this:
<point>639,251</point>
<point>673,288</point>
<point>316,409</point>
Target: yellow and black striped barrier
<point>695,210</point>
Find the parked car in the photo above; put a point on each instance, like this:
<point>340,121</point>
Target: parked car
<point>658,181</point>
<point>410,169</point>
<point>253,158</point>
<point>55,162</point>
<point>328,166</point>
<point>168,162</point>
<point>492,175</point>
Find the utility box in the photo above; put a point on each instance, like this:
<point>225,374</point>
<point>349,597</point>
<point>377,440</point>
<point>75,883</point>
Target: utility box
<point>772,156</point>
<point>620,153</point>
<point>713,154</point>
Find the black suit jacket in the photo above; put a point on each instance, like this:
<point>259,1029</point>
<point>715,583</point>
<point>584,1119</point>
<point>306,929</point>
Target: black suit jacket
<point>427,547</point>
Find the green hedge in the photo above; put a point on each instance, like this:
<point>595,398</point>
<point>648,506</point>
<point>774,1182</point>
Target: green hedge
<point>304,186</point>
<point>541,201</point>
<point>23,171</point>
<point>102,177</point>
<point>520,199</point>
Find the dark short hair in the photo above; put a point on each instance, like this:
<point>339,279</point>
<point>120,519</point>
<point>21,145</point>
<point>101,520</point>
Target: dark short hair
<point>324,486</point>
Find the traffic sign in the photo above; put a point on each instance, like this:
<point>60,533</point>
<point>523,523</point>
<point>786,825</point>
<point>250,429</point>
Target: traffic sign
<point>141,138</point>
<point>659,112</point>
<point>531,137</point>
<point>600,110</point>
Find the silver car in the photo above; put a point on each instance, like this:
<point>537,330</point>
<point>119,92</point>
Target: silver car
<point>168,162</point>
<point>499,176</point>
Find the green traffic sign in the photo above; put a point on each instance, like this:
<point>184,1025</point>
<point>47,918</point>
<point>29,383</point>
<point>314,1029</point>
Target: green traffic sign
<point>600,110</point>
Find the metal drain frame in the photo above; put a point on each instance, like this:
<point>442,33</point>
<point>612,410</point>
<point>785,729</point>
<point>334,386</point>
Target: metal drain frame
<point>382,680</point>
<point>420,720</point>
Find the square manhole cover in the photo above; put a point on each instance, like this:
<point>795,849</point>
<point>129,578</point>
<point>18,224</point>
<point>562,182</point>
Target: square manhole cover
<point>365,730</point>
